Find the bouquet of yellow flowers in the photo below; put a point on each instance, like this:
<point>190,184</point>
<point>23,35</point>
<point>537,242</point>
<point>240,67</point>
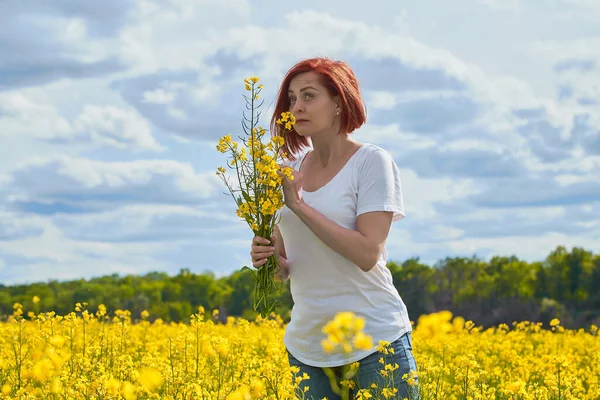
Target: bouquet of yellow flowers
<point>259,192</point>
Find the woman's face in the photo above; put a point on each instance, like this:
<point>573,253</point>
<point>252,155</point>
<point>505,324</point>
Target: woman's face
<point>310,102</point>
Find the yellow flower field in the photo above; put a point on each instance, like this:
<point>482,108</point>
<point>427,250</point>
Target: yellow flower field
<point>94,356</point>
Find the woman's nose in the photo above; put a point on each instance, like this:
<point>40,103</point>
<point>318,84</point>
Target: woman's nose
<point>297,106</point>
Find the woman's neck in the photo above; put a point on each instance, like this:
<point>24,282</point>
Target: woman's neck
<point>328,149</point>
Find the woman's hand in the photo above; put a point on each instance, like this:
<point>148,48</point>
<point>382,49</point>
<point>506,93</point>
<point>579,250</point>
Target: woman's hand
<point>261,249</point>
<point>292,189</point>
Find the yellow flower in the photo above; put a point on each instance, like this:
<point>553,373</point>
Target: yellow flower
<point>128,391</point>
<point>42,370</point>
<point>221,170</point>
<point>278,140</point>
<point>362,341</point>
<point>243,393</point>
<point>258,389</point>
<point>149,378</point>
<point>36,299</point>
<point>389,392</point>
<point>56,386</point>
<point>57,341</point>
<point>348,383</point>
<point>224,143</point>
<point>327,345</point>
<point>288,172</point>
<point>113,386</point>
<point>345,331</point>
<point>101,311</point>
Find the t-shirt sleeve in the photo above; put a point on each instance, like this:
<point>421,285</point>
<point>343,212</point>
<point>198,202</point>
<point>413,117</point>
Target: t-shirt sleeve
<point>379,187</point>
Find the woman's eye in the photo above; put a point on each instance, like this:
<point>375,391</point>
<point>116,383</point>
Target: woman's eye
<point>307,95</point>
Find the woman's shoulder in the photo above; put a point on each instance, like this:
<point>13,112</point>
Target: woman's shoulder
<point>375,163</point>
<point>371,151</point>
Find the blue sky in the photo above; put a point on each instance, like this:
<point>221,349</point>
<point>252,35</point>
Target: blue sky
<point>110,112</point>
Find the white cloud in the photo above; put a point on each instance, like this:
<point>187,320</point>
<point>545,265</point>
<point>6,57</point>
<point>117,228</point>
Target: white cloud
<point>529,248</point>
<point>583,48</point>
<point>95,126</point>
<point>381,99</point>
<point>395,140</point>
<point>148,42</point>
<point>158,96</point>
<point>512,5</point>
<point>148,223</point>
<point>531,214</point>
<point>444,233</point>
<point>114,127</point>
<point>52,255</point>
<point>579,10</point>
<point>14,226</point>
<point>21,115</point>
<point>77,182</point>
<point>421,195</point>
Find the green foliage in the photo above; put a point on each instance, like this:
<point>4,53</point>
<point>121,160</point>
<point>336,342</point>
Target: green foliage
<point>504,289</point>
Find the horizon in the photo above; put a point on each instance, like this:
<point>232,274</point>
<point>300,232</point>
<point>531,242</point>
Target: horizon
<point>172,274</point>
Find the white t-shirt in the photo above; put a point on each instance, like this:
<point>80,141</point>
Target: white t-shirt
<point>322,281</point>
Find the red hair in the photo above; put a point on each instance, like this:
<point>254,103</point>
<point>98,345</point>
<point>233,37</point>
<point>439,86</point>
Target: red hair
<point>339,79</point>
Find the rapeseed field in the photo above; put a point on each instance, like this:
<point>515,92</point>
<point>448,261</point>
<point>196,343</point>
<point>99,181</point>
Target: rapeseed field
<point>94,355</point>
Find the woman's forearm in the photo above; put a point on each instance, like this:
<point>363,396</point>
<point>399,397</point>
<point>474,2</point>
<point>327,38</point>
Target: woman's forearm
<point>284,271</point>
<point>349,243</point>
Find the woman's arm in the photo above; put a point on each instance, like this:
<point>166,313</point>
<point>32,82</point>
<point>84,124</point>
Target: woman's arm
<point>284,270</point>
<point>379,198</point>
<point>362,246</point>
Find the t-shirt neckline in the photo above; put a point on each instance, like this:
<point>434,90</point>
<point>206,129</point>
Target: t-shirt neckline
<point>335,176</point>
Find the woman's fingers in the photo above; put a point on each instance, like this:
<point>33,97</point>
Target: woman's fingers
<point>257,240</point>
<point>261,250</point>
<point>259,263</point>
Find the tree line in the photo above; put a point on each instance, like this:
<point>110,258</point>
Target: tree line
<point>566,285</point>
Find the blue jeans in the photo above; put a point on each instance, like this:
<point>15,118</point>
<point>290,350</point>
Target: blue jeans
<point>368,373</point>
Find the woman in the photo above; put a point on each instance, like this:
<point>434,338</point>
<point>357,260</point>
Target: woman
<point>331,237</point>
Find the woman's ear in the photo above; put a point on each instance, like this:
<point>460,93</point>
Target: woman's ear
<point>338,107</point>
